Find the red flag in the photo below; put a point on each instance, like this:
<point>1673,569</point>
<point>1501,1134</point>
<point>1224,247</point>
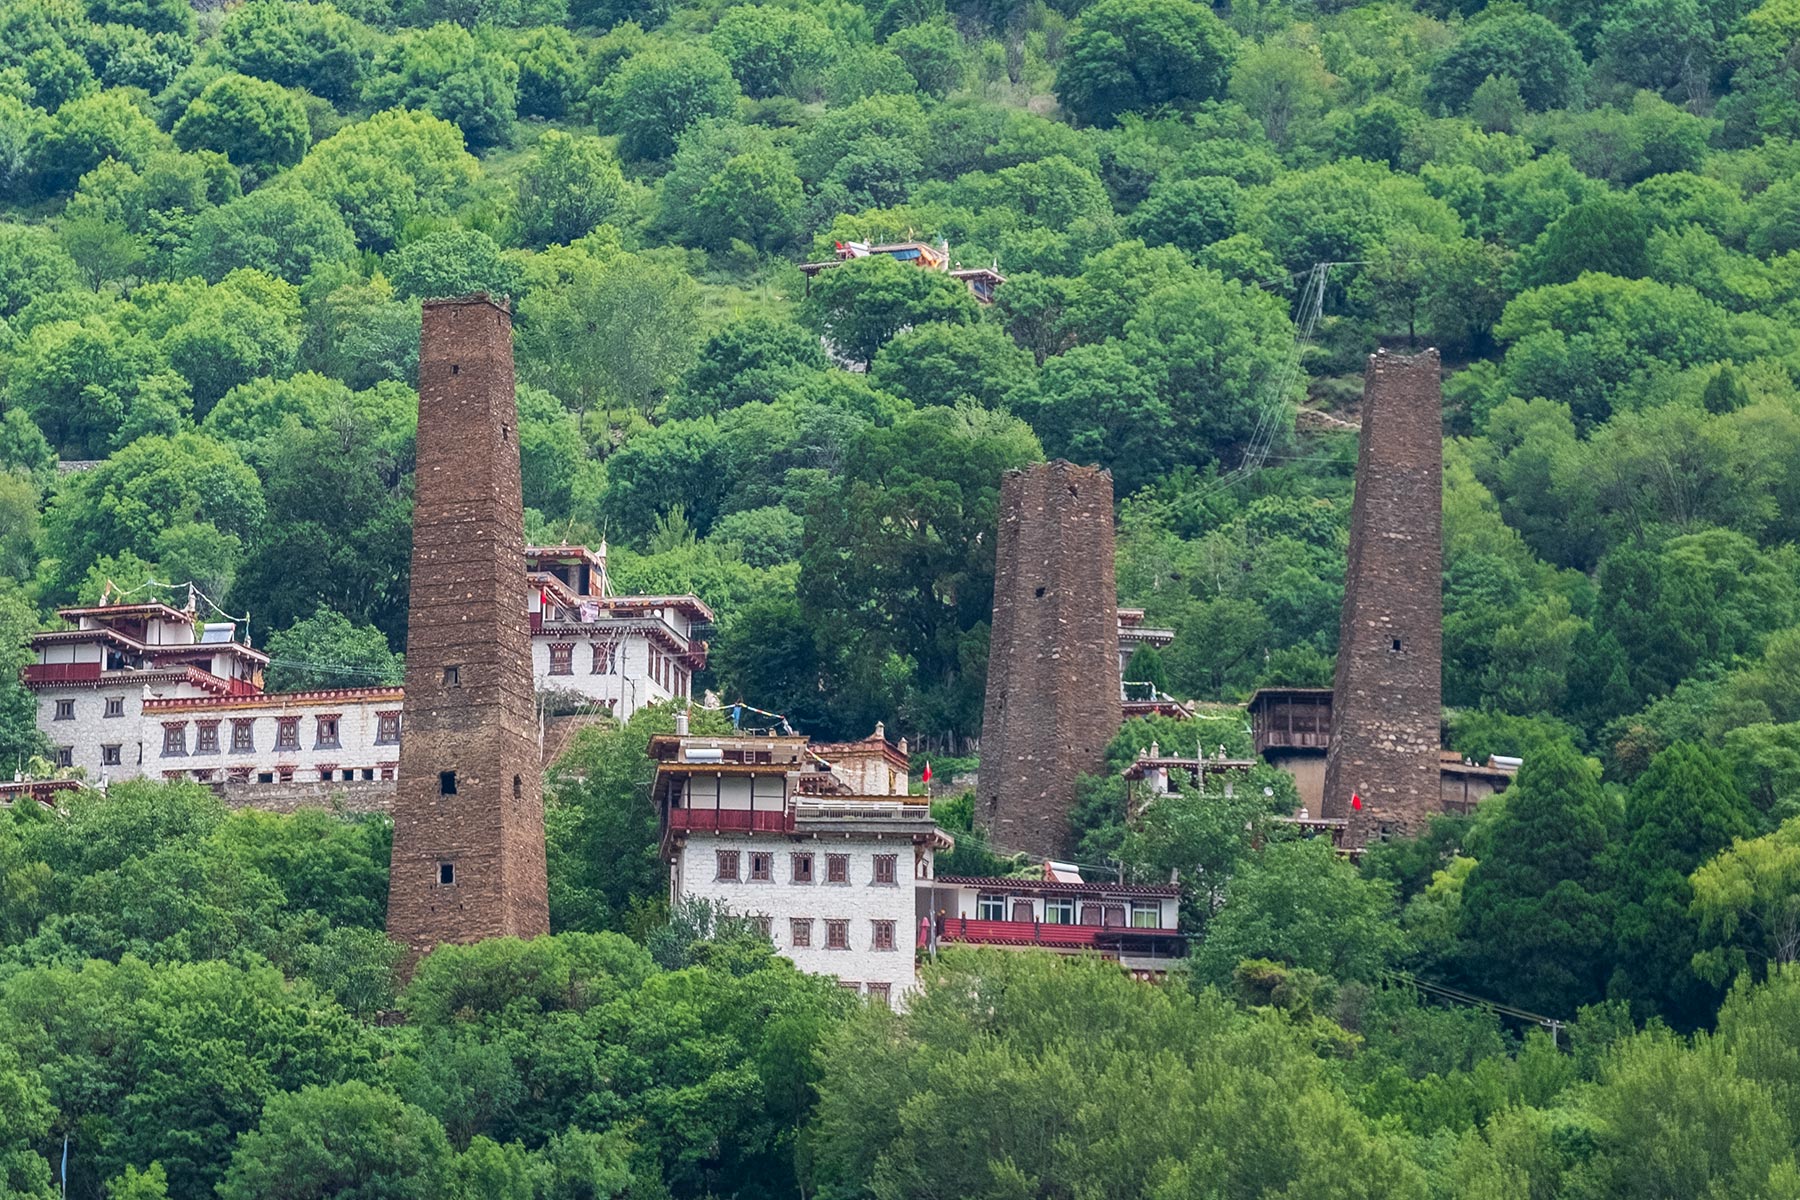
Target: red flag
<point>926,777</point>
<point>1355,801</point>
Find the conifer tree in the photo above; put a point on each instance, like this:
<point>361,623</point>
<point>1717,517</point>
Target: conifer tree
<point>1681,811</point>
<point>1537,910</point>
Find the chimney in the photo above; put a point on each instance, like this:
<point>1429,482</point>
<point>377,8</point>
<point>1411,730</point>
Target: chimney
<point>681,723</point>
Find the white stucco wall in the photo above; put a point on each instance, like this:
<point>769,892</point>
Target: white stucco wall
<point>861,901</point>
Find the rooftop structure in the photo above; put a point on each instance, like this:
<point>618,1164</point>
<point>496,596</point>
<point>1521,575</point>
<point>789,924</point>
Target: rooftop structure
<point>1142,698</point>
<point>982,281</point>
<point>821,844</point>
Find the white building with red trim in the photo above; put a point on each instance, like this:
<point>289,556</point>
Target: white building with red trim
<point>593,650</point>
<point>129,691</point>
<point>1133,924</point>
<point>820,844</point>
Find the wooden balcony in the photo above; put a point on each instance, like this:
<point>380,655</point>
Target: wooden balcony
<point>1107,939</point>
<point>729,820</point>
<point>80,672</point>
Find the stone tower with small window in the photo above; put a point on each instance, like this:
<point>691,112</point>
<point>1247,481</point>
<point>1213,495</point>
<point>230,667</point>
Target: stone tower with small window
<point>468,858</point>
<point>1388,695</point>
<point>1053,698</point>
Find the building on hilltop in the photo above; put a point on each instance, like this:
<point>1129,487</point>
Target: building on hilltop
<point>982,282</point>
<point>593,649</point>
<point>1053,687</point>
<point>821,844</point>
<point>132,691</point>
<point>468,858</point>
<point>1381,767</point>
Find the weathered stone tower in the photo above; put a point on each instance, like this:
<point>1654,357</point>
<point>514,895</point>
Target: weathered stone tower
<point>1387,702</point>
<point>1053,658</point>
<point>468,859</point>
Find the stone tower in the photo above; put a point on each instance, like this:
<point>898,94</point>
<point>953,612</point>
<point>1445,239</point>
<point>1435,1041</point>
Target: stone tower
<point>1387,700</point>
<point>1053,658</point>
<point>468,859</point>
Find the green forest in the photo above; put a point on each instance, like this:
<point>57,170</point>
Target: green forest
<point>217,223</point>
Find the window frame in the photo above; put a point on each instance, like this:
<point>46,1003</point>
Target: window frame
<point>64,711</point>
<point>765,873</point>
<point>882,935</point>
<point>287,733</point>
<point>387,728</point>
<point>115,706</point>
<point>1149,908</point>
<point>800,932</point>
<point>206,737</point>
<point>837,868</point>
<point>562,658</point>
<point>112,755</point>
<point>720,859</point>
<point>991,902</point>
<point>794,864</point>
<point>1059,910</point>
<point>174,739</point>
<point>837,933</point>
<point>246,726</point>
<point>328,731</point>
<point>891,862</point>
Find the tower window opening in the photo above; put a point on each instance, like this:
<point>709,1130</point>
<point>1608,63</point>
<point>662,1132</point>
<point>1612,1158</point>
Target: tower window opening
<point>446,874</point>
<point>447,783</point>
<point>1396,645</point>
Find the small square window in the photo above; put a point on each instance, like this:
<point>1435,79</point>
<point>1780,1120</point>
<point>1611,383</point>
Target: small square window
<point>1396,645</point>
<point>990,908</point>
<point>446,783</point>
<point>886,866</point>
<point>325,733</point>
<point>837,868</point>
<point>837,935</point>
<point>728,865</point>
<point>65,756</point>
<point>446,874</point>
<point>115,706</point>
<point>562,658</point>
<point>602,661</point>
<point>800,932</point>
<point>174,739</point>
<point>287,733</point>
<point>243,736</point>
<point>286,774</point>
<point>764,925</point>
<point>762,865</point>
<point>206,737</point>
<point>387,728</point>
<point>1059,910</point>
<point>882,934</point>
<point>265,777</point>
<point>884,992</point>
<point>801,868</point>
<point>65,710</point>
<point>111,756</point>
<point>387,772</point>
<point>453,676</point>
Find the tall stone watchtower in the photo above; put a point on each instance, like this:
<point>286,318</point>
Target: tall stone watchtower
<point>1388,698</point>
<point>1053,657</point>
<point>468,859</point>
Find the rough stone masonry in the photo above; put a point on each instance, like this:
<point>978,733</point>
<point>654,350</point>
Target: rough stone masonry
<point>1387,699</point>
<point>1053,657</point>
<point>468,858</point>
